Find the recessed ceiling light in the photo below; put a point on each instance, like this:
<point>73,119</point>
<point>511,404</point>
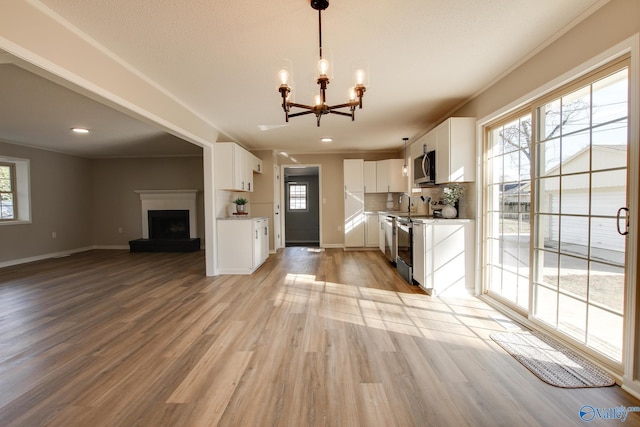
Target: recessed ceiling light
<point>327,139</point>
<point>80,130</point>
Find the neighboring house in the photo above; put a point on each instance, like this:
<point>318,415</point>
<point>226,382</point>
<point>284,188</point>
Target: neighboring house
<point>571,196</point>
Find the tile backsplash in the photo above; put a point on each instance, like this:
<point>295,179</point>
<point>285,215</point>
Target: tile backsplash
<point>378,201</point>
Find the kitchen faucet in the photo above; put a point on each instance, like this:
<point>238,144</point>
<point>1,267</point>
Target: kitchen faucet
<point>408,203</point>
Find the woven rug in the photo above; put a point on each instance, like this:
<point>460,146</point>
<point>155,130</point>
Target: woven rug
<point>552,362</point>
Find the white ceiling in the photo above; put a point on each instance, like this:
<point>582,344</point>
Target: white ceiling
<point>221,58</point>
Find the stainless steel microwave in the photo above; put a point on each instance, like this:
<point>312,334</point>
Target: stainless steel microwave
<point>424,169</point>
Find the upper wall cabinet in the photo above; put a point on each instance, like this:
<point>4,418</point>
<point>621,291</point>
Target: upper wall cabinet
<point>370,175</point>
<point>256,164</point>
<point>424,144</point>
<point>354,175</point>
<point>389,177</point>
<point>455,150</point>
<point>233,167</point>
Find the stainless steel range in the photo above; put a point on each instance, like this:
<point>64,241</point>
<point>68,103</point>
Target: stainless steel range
<point>390,244</point>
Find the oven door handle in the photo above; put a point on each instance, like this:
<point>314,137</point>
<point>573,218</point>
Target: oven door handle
<point>425,160</point>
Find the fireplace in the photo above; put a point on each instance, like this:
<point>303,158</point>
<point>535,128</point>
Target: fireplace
<point>168,224</point>
<point>168,221</point>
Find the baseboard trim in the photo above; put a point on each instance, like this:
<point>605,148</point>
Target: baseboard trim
<point>44,256</point>
<point>332,245</point>
<point>631,386</point>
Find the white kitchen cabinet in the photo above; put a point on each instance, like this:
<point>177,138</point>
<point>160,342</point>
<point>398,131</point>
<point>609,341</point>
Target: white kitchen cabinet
<point>256,164</point>
<point>424,144</point>
<point>420,255</point>
<point>370,174</point>
<point>389,177</point>
<point>431,142</point>
<point>354,229</point>
<point>261,244</point>
<point>371,228</point>
<point>354,220</point>
<point>233,167</point>
<point>354,175</point>
<point>444,256</point>
<point>242,244</point>
<point>381,218</point>
<point>456,150</point>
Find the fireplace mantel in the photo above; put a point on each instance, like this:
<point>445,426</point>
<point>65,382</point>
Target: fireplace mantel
<point>168,200</point>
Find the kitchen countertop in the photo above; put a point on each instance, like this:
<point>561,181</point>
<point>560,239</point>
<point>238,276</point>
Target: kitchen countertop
<point>393,213</point>
<point>242,217</point>
<point>441,220</point>
<point>424,218</point>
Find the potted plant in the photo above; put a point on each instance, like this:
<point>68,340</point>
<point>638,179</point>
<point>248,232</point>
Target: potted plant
<point>241,205</point>
<point>452,193</point>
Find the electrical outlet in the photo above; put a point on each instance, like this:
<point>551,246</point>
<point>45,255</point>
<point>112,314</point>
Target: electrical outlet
<point>119,229</point>
<point>54,234</point>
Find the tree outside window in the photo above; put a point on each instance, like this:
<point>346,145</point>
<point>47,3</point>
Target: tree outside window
<point>7,192</point>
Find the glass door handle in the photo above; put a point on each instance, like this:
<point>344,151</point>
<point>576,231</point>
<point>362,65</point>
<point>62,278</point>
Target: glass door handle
<point>626,225</point>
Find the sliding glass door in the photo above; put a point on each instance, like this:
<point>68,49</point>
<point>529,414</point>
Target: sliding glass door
<point>508,216</point>
<point>556,199</point>
<point>581,183</point>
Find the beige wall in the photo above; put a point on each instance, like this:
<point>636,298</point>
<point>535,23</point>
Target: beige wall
<point>60,203</point>
<point>115,204</point>
<point>613,23</point>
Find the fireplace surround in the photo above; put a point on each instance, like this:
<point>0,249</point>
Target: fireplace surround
<point>169,222</point>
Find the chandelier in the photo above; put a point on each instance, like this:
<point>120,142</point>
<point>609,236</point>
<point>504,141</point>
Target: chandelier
<point>320,107</point>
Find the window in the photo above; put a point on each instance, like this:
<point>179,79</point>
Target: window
<point>8,205</point>
<point>14,191</point>
<point>297,196</point>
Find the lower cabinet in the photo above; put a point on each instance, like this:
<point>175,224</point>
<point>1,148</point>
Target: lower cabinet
<point>381,218</point>
<point>444,256</point>
<point>371,229</point>
<point>354,220</point>
<point>243,244</point>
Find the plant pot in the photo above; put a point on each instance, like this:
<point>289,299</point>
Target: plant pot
<point>241,209</point>
<point>449,211</point>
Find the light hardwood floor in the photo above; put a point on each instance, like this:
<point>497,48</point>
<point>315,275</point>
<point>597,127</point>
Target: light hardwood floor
<point>313,338</point>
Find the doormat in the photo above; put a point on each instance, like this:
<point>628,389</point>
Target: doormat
<point>552,362</point>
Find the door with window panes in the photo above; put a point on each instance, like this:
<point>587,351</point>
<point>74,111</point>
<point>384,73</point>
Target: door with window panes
<point>508,214</point>
<point>580,211</point>
<point>556,198</point>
